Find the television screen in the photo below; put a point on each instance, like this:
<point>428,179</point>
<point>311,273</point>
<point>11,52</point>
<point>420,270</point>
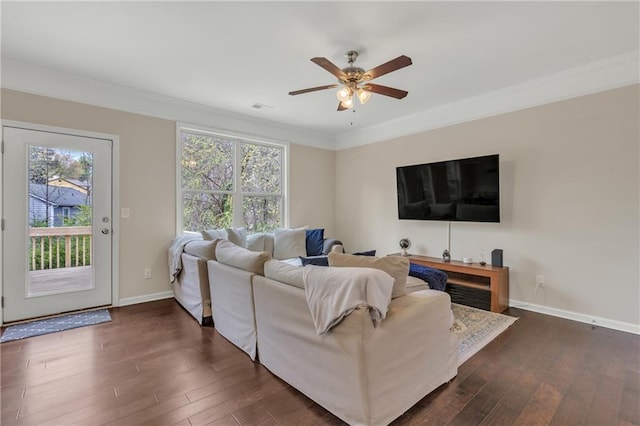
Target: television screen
<point>458,190</point>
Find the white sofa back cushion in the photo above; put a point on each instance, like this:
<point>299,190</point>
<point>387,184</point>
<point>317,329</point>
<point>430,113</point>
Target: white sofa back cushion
<point>202,248</point>
<point>396,266</point>
<point>255,242</point>
<point>289,243</point>
<point>284,272</point>
<point>239,257</point>
<point>237,236</point>
<point>214,234</point>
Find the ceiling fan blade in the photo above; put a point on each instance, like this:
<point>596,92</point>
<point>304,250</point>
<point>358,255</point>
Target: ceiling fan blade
<point>384,90</point>
<point>387,67</point>
<point>342,107</point>
<point>313,89</point>
<point>331,67</point>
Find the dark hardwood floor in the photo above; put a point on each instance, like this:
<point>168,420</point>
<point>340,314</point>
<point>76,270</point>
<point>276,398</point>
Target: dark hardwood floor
<point>153,364</point>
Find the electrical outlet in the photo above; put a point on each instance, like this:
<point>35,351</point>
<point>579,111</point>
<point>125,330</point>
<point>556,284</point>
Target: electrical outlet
<point>539,280</point>
<point>147,274</point>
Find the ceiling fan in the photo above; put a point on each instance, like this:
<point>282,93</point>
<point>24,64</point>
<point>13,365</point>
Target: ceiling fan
<point>355,81</point>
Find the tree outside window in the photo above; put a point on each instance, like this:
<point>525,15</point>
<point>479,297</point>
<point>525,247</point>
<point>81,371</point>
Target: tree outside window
<point>230,182</point>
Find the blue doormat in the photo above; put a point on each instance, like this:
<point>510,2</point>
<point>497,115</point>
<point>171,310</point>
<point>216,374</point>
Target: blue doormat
<point>52,325</point>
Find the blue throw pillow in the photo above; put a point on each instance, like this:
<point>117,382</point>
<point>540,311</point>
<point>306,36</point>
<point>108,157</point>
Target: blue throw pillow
<point>366,253</point>
<point>315,242</point>
<point>316,260</point>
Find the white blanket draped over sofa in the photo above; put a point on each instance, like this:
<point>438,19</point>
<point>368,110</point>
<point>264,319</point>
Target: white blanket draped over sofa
<point>333,293</point>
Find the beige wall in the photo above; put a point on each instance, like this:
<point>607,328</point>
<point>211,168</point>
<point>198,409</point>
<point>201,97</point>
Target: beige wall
<point>569,183</point>
<point>569,199</point>
<point>312,182</point>
<point>147,181</point>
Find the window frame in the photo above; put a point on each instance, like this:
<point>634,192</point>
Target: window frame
<point>237,195</point>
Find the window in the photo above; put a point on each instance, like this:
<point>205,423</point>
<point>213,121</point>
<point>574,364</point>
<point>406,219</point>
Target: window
<point>66,213</point>
<point>230,181</point>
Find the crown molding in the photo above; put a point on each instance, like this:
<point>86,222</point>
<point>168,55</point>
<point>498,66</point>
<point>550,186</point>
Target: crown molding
<point>610,73</point>
<point>50,82</point>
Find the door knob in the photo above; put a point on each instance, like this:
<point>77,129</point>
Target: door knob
<point>105,231</point>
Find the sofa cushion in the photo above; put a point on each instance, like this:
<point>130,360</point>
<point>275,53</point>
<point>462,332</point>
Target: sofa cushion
<point>315,260</point>
<point>214,234</point>
<point>239,257</point>
<point>284,272</point>
<point>237,236</point>
<point>315,242</point>
<point>288,243</point>
<point>255,242</point>
<point>396,266</point>
<point>202,248</point>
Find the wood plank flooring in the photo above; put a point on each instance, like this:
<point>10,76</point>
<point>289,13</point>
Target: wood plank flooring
<point>153,364</point>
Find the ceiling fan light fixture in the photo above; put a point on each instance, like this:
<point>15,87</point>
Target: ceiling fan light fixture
<point>348,104</point>
<point>363,95</point>
<point>344,93</point>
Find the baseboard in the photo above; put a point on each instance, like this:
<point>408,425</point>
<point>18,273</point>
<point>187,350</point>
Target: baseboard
<point>575,316</point>
<point>146,298</point>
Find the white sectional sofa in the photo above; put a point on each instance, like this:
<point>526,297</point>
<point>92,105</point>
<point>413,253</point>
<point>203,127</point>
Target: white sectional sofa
<point>191,283</point>
<point>363,374</point>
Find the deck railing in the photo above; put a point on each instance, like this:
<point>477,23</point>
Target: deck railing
<point>61,247</point>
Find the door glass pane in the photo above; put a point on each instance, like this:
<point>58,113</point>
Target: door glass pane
<point>60,221</point>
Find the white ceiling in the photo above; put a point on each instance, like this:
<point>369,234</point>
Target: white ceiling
<point>231,55</point>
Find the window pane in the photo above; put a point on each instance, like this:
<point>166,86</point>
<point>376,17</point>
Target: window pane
<point>60,219</point>
<point>261,168</point>
<point>261,214</point>
<point>207,162</point>
<point>206,211</point>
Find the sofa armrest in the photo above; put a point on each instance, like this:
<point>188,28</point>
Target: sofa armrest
<point>331,244</point>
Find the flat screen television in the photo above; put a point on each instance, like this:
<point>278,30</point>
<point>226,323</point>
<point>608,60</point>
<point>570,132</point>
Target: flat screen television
<point>466,190</point>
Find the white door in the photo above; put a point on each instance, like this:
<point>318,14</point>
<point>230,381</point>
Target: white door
<point>57,230</point>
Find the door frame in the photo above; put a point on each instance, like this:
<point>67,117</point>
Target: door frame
<point>115,197</point>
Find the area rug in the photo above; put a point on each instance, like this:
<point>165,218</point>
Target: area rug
<point>52,325</point>
<point>476,328</point>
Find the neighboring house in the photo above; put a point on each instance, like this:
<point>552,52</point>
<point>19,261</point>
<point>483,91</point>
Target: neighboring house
<point>78,185</point>
<point>54,203</point>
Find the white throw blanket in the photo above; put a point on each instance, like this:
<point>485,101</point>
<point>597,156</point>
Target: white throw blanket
<point>175,253</point>
<point>333,293</point>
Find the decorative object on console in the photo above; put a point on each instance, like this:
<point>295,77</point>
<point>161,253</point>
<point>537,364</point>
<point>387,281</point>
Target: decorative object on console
<point>496,258</point>
<point>405,244</point>
<point>446,256</point>
<point>467,260</point>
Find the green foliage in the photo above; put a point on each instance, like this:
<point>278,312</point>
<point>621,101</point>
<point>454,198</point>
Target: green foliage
<point>38,223</point>
<point>83,218</point>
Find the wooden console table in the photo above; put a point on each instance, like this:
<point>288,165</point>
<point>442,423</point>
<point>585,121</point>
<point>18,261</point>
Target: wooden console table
<point>473,276</point>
